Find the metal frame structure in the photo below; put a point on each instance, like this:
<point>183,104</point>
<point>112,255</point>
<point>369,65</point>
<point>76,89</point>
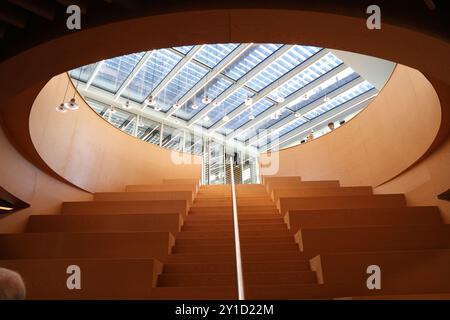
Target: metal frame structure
<point>261,72</point>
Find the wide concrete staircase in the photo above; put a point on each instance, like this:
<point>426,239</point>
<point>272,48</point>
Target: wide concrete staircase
<point>299,240</point>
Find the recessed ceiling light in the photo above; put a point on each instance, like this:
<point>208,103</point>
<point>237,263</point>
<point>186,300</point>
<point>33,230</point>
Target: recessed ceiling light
<point>177,105</point>
<point>112,109</point>
<point>216,103</point>
<point>297,114</point>
<point>248,101</point>
<point>226,118</point>
<point>251,117</point>
<point>326,99</point>
<point>305,96</point>
<point>158,108</point>
<point>194,107</point>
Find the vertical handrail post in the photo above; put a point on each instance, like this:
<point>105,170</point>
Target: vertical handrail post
<point>237,241</point>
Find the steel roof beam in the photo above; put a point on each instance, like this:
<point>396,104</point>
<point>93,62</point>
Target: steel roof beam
<point>241,82</point>
<point>212,74</point>
<point>273,86</point>
<point>291,99</point>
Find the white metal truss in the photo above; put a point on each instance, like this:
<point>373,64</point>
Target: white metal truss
<point>136,109</point>
<point>347,107</point>
<point>97,68</point>
<point>178,67</point>
<point>273,86</point>
<point>133,74</point>
<point>241,82</point>
<point>213,73</point>
<point>292,98</point>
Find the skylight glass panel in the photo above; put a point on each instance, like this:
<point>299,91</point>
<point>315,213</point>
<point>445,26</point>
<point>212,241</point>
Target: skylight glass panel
<point>340,99</point>
<point>254,110</point>
<point>320,92</point>
<point>183,49</point>
<point>181,83</point>
<point>155,70</point>
<point>83,73</point>
<point>288,61</point>
<point>214,88</point>
<point>229,104</point>
<point>250,59</point>
<point>114,71</point>
<point>310,74</point>
<point>212,54</point>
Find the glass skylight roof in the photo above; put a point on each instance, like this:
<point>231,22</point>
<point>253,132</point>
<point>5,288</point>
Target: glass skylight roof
<point>281,79</point>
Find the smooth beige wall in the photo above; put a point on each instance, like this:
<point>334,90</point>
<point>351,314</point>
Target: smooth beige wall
<point>27,182</point>
<point>92,154</point>
<point>379,144</point>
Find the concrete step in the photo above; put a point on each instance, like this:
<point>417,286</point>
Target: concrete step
<point>402,272</point>
<point>170,222</point>
<point>320,192</point>
<point>213,234</point>
<point>291,291</point>
<point>162,187</point>
<point>257,267</point>
<point>105,279</point>
<point>217,240</point>
<point>279,278</point>
<point>242,210</point>
<point>182,181</point>
<point>228,221</point>
<point>89,245</point>
<point>145,196</point>
<point>250,218</point>
<point>259,247</point>
<point>196,279</point>
<point>242,227</point>
<point>384,238</point>
<point>126,207</point>
<point>353,202</point>
<point>301,185</point>
<point>199,268</point>
<point>194,293</point>
<point>363,217</point>
<point>229,257</point>
<point>208,257</point>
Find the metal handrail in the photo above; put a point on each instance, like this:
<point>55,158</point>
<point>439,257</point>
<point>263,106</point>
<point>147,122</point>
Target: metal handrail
<point>237,241</point>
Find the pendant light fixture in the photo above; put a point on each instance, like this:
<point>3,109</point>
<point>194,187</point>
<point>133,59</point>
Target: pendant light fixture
<point>206,99</point>
<point>194,106</point>
<point>63,107</point>
<point>73,105</point>
<point>150,101</point>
